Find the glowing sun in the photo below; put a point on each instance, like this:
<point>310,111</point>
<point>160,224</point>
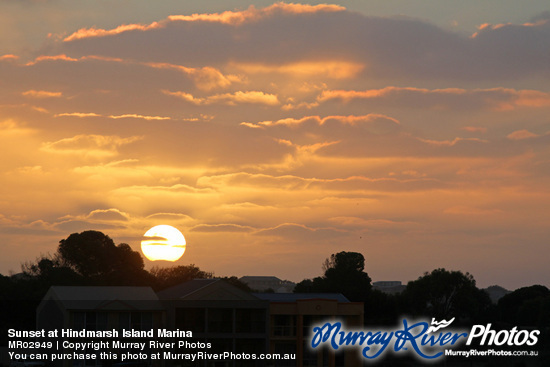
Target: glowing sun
<point>163,242</point>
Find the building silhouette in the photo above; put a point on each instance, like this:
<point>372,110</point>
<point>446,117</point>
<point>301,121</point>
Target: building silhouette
<point>221,317</point>
<point>265,283</point>
<point>389,286</point>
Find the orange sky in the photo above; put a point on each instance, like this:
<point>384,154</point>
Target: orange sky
<point>275,135</point>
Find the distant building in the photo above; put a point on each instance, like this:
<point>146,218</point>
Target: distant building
<point>264,283</point>
<point>389,286</point>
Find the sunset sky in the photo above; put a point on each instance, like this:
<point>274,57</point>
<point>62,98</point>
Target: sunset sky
<point>272,135</point>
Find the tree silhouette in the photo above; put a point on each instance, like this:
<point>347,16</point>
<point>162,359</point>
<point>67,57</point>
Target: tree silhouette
<point>168,277</point>
<point>526,306</point>
<point>48,270</point>
<point>343,273</point>
<point>445,294</point>
<point>94,254</point>
<point>89,257</point>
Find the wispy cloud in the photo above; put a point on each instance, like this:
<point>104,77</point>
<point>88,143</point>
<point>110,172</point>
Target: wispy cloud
<point>231,99</point>
<point>351,120</point>
<point>42,94</point>
<point>521,134</point>
<point>495,98</point>
<point>333,69</point>
<point>206,78</point>
<point>99,146</point>
<point>252,14</point>
<point>115,117</point>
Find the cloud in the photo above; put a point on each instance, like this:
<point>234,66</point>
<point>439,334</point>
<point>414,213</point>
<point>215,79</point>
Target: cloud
<point>320,137</point>
<point>231,99</point>
<point>143,199</point>
<point>290,183</point>
<point>206,78</point>
<point>42,94</point>
<point>18,226</point>
<point>77,114</point>
<point>98,32</point>
<point>43,58</point>
<point>513,43</point>
<point>108,215</point>
<point>335,135</point>
<point>334,69</point>
<point>521,134</point>
<point>299,232</point>
<point>235,18</point>
<point>98,219</point>
<point>174,189</point>
<point>310,128</point>
<point>475,129</point>
<point>99,146</point>
<point>456,98</point>
<point>451,143</point>
<point>291,38</point>
<point>542,21</point>
<point>468,210</point>
<point>169,216</point>
<point>10,128</point>
<point>373,225</point>
<point>216,228</point>
<point>131,116</point>
<point>136,116</point>
<point>83,225</point>
<point>377,122</point>
<point>253,14</point>
<point>9,57</point>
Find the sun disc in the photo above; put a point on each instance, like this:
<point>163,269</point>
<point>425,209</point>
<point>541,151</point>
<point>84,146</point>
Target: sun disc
<point>163,242</point>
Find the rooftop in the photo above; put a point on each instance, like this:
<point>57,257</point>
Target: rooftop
<point>96,297</point>
<point>294,297</point>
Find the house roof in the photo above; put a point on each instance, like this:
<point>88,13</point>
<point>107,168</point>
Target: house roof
<point>206,290</point>
<point>294,297</point>
<point>104,298</point>
<point>184,289</point>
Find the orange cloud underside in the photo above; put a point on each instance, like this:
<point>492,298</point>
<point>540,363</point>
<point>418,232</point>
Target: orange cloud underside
<point>333,69</point>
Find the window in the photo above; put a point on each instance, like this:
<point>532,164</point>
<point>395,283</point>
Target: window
<point>310,356</point>
<point>284,325</point>
<point>135,320</point>
<point>124,320</point>
<point>79,320</point>
<point>309,322</point>
<point>250,346</point>
<point>192,319</point>
<point>220,320</point>
<point>250,320</point>
<point>90,320</point>
<point>283,348</point>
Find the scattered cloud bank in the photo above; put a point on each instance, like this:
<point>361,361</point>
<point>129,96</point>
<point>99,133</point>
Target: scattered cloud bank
<point>292,131</point>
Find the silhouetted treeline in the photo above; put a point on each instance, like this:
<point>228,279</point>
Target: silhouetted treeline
<point>440,294</point>
<point>92,258</point>
<point>84,259</point>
